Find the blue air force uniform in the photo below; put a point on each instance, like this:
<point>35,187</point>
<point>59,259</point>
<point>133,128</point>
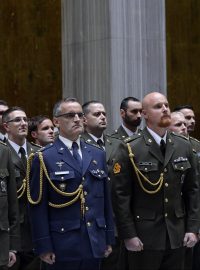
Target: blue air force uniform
<point>73,225</point>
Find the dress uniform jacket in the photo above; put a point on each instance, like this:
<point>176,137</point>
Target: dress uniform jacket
<point>9,218</point>
<point>20,174</point>
<point>67,231</point>
<point>111,145</point>
<point>120,133</point>
<point>174,209</point>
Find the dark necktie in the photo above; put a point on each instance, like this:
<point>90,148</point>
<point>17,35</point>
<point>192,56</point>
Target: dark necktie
<point>162,147</point>
<point>76,154</point>
<point>23,155</point>
<point>100,143</point>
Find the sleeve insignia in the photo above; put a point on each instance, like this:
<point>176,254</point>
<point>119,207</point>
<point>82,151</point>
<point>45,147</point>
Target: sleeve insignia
<point>117,168</point>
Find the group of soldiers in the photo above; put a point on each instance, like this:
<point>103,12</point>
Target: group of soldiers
<point>87,200</point>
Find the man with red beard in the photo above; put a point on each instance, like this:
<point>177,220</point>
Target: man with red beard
<point>155,192</point>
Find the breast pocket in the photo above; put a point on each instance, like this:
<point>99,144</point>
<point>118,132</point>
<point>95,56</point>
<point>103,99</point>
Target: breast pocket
<point>147,166</point>
<point>64,181</point>
<point>181,168</point>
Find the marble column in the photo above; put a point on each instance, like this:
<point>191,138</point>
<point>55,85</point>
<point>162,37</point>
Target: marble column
<point>112,49</point>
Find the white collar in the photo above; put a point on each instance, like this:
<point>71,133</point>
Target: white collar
<point>156,137</point>
<point>17,147</point>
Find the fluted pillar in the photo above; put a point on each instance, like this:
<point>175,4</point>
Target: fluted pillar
<point>112,49</point>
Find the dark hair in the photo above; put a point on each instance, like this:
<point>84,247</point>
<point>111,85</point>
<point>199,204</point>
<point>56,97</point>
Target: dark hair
<point>124,103</point>
<point>181,107</point>
<point>5,115</point>
<point>86,105</point>
<point>57,109</point>
<point>3,102</point>
<point>35,121</point>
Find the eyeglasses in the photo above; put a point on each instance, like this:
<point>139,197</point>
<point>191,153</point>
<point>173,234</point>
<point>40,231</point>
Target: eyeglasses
<point>71,115</point>
<point>18,120</point>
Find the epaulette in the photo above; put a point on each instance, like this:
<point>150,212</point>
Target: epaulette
<point>194,139</point>
<point>45,147</point>
<point>132,138</point>
<point>3,143</point>
<point>180,135</point>
<point>35,144</point>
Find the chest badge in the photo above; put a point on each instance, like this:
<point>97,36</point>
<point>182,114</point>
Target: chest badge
<point>117,168</point>
<point>62,186</point>
<point>60,163</point>
<point>3,186</point>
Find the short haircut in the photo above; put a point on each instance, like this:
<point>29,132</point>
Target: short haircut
<point>3,102</point>
<point>35,121</point>
<point>86,105</point>
<point>124,103</point>
<point>6,114</point>
<point>181,107</point>
<point>57,106</point>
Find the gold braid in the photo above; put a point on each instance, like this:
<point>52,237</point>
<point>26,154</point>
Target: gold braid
<point>78,192</point>
<point>22,189</point>
<point>141,176</point>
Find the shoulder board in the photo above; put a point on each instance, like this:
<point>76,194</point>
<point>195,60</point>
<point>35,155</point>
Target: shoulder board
<point>132,138</point>
<point>35,144</point>
<point>45,147</point>
<point>3,143</point>
<point>194,139</point>
<point>181,136</point>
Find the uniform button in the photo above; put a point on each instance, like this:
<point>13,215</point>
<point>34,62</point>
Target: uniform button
<point>165,169</point>
<point>166,214</point>
<point>108,178</point>
<point>62,229</point>
<point>83,178</point>
<point>166,184</point>
<point>145,169</point>
<point>85,193</point>
<point>166,200</point>
<point>88,224</point>
<point>138,217</point>
<point>62,178</point>
<point>181,168</point>
<point>86,208</point>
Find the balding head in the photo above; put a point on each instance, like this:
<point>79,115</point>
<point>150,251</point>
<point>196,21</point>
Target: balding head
<point>156,112</point>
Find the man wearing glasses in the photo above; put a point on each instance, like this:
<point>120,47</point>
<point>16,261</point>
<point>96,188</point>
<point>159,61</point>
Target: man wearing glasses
<point>69,194</point>
<point>16,124</point>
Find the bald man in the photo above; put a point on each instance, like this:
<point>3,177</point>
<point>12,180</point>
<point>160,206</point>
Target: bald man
<point>178,123</point>
<point>155,192</point>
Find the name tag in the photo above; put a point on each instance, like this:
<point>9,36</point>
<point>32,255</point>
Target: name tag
<point>62,172</point>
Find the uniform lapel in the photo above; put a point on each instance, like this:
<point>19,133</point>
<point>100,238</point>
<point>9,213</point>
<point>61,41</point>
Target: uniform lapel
<point>16,159</point>
<point>153,146</point>
<point>169,149</point>
<point>86,157</point>
<point>65,155</point>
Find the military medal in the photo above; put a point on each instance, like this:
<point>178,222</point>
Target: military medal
<point>3,186</point>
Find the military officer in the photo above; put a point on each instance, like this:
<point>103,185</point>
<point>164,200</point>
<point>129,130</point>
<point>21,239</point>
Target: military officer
<point>130,111</point>
<point>178,123</point>
<point>70,197</point>
<point>95,123</point>
<point>156,192</point>
<point>9,218</point>
<point>16,124</point>
<point>41,130</point>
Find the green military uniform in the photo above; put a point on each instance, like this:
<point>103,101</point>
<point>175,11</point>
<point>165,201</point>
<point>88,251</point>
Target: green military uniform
<point>25,230</point>
<point>120,133</point>
<point>9,216</point>
<point>158,199</point>
<point>196,250</point>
